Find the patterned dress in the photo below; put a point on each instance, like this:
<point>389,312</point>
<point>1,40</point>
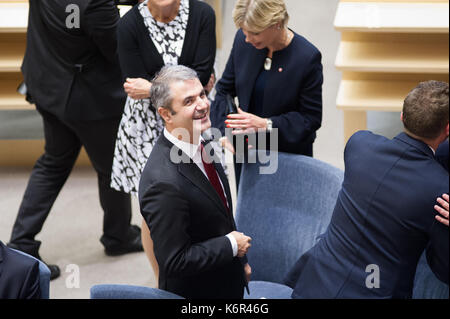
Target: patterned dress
<point>141,126</point>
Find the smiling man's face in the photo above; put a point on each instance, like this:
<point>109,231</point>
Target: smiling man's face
<point>190,109</point>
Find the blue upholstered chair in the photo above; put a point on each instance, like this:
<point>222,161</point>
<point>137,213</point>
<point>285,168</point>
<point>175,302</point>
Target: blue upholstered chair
<point>129,292</point>
<point>426,284</point>
<point>285,213</point>
<point>44,276</point>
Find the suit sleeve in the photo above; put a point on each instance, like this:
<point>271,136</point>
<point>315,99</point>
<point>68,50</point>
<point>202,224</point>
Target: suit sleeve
<point>100,23</point>
<point>295,127</point>
<point>442,154</point>
<point>130,56</point>
<point>206,50</point>
<point>438,251</point>
<point>226,85</point>
<point>167,215</point>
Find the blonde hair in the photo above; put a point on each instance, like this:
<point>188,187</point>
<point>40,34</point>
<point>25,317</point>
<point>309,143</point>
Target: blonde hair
<point>258,15</point>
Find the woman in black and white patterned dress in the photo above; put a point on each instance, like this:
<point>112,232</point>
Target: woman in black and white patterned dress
<point>153,34</point>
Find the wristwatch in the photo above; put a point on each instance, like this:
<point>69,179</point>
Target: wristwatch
<point>269,125</point>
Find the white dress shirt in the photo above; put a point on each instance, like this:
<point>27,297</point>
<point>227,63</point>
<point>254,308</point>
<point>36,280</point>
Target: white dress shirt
<point>194,153</point>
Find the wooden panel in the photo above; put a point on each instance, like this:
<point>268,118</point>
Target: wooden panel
<point>378,93</point>
<point>9,98</point>
<point>430,17</point>
<point>12,51</point>
<point>217,6</point>
<point>359,76</point>
<point>401,1</point>
<point>373,95</point>
<point>387,47</point>
<point>13,17</point>
<point>354,122</point>
<point>402,57</point>
<point>24,153</point>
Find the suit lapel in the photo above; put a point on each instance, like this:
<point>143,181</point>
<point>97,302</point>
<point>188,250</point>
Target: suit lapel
<point>196,176</point>
<point>193,173</point>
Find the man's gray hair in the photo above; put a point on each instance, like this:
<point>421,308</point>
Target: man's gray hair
<point>160,94</point>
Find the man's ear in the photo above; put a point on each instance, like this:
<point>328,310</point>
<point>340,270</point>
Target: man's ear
<point>447,130</point>
<point>401,117</point>
<point>165,114</point>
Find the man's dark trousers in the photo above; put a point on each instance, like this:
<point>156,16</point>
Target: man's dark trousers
<point>63,141</point>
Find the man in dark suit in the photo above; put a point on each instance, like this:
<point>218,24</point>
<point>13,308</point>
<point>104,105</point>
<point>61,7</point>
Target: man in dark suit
<point>185,198</point>
<point>19,275</point>
<point>384,216</point>
<point>71,73</point>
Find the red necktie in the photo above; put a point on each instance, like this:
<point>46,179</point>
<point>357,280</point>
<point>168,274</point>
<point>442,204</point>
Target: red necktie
<point>213,177</point>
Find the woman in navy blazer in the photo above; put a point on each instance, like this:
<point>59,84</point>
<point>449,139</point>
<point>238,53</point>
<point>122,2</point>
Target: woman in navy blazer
<point>276,75</point>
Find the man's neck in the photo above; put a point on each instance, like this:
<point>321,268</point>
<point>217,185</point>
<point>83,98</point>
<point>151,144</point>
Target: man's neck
<point>184,135</point>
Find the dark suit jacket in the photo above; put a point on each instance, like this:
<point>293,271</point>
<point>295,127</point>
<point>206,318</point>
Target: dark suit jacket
<point>93,90</point>
<point>19,275</point>
<point>293,97</point>
<point>384,216</point>
<point>139,57</point>
<point>442,154</point>
<point>188,224</point>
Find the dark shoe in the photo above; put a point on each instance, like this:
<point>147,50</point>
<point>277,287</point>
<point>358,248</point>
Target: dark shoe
<point>54,271</point>
<point>131,246</point>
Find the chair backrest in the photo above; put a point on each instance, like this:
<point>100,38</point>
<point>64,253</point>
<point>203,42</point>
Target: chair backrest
<point>286,212</point>
<point>129,292</point>
<point>44,276</point>
<point>426,284</point>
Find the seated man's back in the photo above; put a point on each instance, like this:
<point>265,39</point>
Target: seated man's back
<point>384,216</point>
<point>383,220</point>
<point>19,275</point>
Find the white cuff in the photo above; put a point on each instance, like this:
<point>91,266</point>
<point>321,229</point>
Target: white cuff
<point>234,244</point>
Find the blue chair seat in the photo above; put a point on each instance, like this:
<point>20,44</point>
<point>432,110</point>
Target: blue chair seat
<point>268,290</point>
<point>426,284</point>
<point>129,292</point>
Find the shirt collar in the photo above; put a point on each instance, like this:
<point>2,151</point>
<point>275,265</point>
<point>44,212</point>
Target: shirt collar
<point>191,150</point>
<point>434,152</point>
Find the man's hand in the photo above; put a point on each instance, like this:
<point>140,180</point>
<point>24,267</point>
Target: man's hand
<point>248,272</point>
<point>137,89</point>
<point>243,243</point>
<point>443,209</point>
